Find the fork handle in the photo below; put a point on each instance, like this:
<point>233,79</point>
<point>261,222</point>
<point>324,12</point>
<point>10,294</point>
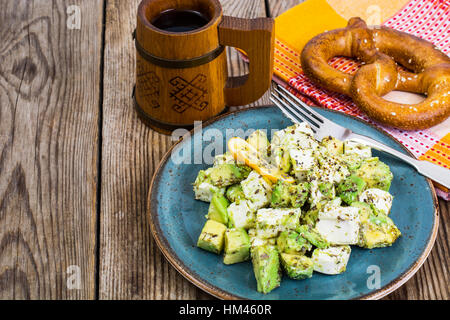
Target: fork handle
<point>437,173</point>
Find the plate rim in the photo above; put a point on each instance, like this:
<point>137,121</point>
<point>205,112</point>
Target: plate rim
<point>219,293</point>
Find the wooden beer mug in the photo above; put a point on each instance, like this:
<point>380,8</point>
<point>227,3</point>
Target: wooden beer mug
<point>181,65</point>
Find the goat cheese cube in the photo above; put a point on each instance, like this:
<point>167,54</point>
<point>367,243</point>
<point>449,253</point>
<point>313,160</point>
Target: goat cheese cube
<point>382,200</point>
<point>227,157</point>
<point>205,190</point>
<point>270,222</point>
<point>333,204</point>
<point>242,214</point>
<point>302,127</point>
<point>257,241</point>
<point>277,138</point>
<point>339,226</point>
<point>257,189</point>
<point>353,147</point>
<point>297,129</point>
<point>332,260</point>
<point>302,162</point>
<point>298,136</point>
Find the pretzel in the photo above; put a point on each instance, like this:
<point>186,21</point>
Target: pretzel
<point>381,50</point>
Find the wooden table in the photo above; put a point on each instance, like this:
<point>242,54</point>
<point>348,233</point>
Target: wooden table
<point>76,163</point>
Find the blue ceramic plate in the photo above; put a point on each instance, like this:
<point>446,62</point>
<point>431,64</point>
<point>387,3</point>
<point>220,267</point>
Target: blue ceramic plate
<point>176,220</point>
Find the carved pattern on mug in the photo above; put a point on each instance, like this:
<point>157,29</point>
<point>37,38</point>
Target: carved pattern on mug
<point>189,94</point>
<point>150,88</point>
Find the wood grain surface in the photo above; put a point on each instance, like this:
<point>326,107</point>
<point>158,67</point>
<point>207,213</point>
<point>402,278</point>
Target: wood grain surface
<point>131,265</point>
<point>76,162</point>
<point>49,110</point>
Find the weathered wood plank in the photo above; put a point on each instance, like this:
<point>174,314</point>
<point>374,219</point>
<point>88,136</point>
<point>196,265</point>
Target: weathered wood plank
<point>278,7</point>
<point>131,265</point>
<point>432,280</point>
<point>49,112</point>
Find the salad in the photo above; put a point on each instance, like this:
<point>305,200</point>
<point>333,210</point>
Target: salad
<point>294,204</point>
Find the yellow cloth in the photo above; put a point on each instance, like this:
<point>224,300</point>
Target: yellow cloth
<point>298,25</point>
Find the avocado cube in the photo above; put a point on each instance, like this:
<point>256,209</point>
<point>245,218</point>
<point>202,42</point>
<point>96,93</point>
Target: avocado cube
<point>218,209</point>
<point>234,193</point>
<point>321,192</point>
<point>292,242</point>
<point>330,168</point>
<point>285,162</point>
<point>375,173</point>
<point>258,140</point>
<point>270,222</point>
<point>266,266</point>
<point>377,230</point>
<point>227,174</point>
<point>212,236</point>
<point>297,267</point>
<point>299,194</point>
<point>365,209</point>
<point>352,161</point>
<point>327,190</point>
<point>280,158</point>
<point>349,189</point>
<point>203,187</point>
<point>356,148</point>
<point>332,260</point>
<point>286,195</point>
<point>380,199</point>
<point>334,146</point>
<point>242,214</point>
<point>310,217</point>
<point>256,189</point>
<point>237,246</point>
<point>280,195</point>
<point>313,236</point>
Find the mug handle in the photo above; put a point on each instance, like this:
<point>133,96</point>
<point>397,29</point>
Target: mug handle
<point>256,38</point>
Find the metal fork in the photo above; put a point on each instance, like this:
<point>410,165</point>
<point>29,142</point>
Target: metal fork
<point>298,111</point>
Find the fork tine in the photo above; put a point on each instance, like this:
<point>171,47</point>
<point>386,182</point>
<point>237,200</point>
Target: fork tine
<point>286,112</point>
<point>285,107</point>
<point>304,105</point>
<point>289,103</point>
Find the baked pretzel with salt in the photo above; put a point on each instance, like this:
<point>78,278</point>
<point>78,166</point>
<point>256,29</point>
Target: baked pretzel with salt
<point>381,50</point>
